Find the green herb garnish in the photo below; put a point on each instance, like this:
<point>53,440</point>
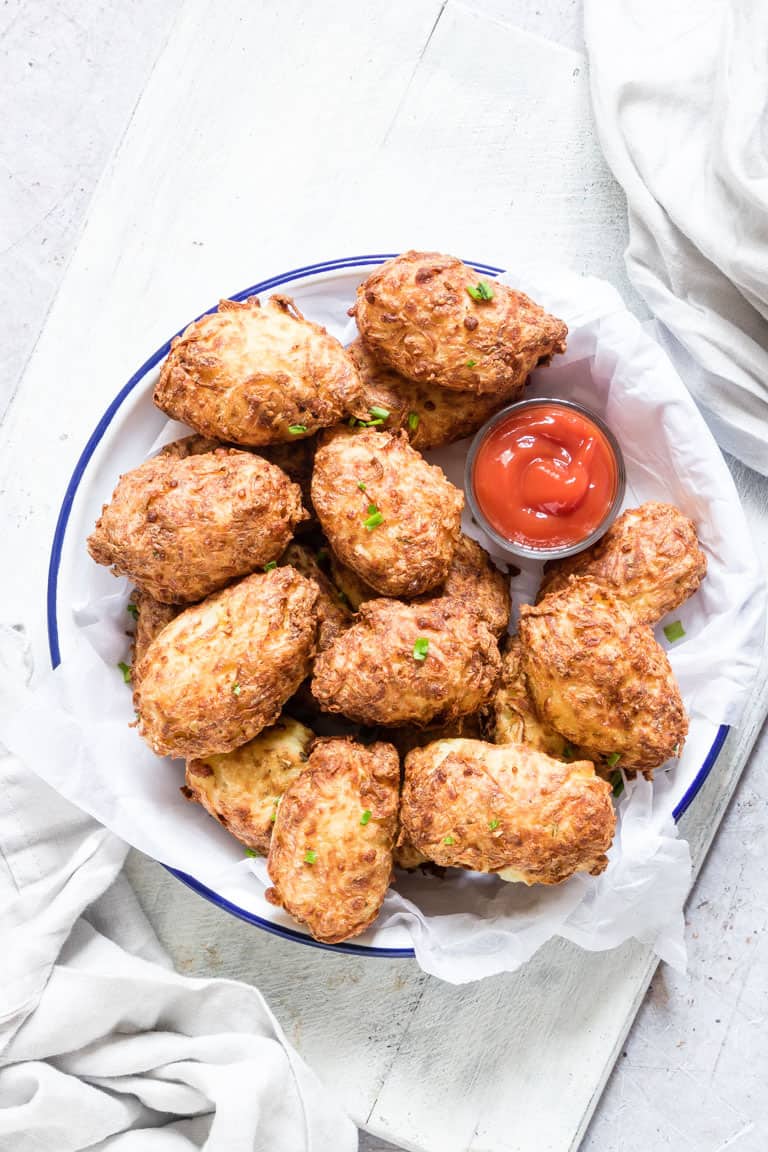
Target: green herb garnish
<point>361,485</point>
<point>132,610</point>
<point>236,689</point>
<point>269,567</point>
<point>482,291</point>
<point>365,816</point>
<point>413,421</point>
<point>471,363</point>
<point>374,518</point>
<point>126,671</point>
<point>613,759</point>
<point>372,423</point>
<point>569,752</point>
<point>674,631</point>
<point>617,781</point>
<point>448,840</point>
<point>379,413</point>
<point>297,429</point>
<point>493,824</point>
<point>310,856</point>
<point>420,648</point>
<point>250,852</point>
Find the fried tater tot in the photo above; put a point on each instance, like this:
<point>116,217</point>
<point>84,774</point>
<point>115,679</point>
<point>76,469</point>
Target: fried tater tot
<point>242,788</point>
<point>650,558</point>
<point>182,527</point>
<point>431,416</point>
<point>600,679</point>
<point>513,718</point>
<point>220,672</point>
<point>390,516</point>
<point>408,664</point>
<point>252,375</point>
<point>330,860</point>
<point>436,321</point>
<point>508,809</point>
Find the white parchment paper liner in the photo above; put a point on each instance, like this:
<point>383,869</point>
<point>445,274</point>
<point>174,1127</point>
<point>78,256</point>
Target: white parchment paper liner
<point>72,728</point>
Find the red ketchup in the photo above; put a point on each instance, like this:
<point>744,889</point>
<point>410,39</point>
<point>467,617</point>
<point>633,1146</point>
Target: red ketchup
<point>545,477</point>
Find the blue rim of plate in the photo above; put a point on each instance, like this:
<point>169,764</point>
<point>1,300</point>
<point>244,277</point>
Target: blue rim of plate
<point>54,564</point>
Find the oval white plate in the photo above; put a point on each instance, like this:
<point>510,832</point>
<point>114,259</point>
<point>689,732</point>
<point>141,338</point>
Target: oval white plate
<point>121,439</point>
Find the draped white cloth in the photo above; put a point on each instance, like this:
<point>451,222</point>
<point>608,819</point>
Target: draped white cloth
<point>680,96</point>
<point>102,1044</point>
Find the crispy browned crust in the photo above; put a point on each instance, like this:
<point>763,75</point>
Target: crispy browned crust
<point>506,808</point>
<point>220,672</point>
<point>370,674</point>
<point>430,416</point>
<point>475,582</point>
<point>599,678</point>
<point>297,461</point>
<point>406,856</point>
<point>416,315</point>
<point>194,445</point>
<point>333,615</point>
<point>339,893</point>
<point>513,718</point>
<point>182,527</point>
<point>650,558</point>
<point>247,374</point>
<point>354,590</point>
<point>410,552</point>
<point>406,739</point>
<point>241,789</point>
<point>151,618</point>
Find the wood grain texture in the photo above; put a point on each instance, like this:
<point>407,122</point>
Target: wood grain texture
<point>270,135</point>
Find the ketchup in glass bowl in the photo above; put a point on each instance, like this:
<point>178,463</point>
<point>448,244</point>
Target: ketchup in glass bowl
<point>545,478</point>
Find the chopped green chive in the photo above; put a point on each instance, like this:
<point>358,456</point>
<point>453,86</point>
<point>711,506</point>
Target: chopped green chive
<point>674,631</point>
<point>617,780</point>
<point>420,648</point>
<point>471,363</point>
<point>373,519</point>
<point>272,564</point>
<point>379,413</point>
<point>483,291</point>
<point>676,752</point>
<point>126,671</point>
<point>297,429</point>
<point>366,816</point>
<point>448,840</point>
<point>352,422</point>
<point>613,759</point>
<point>132,610</point>
<point>310,856</point>
<point>372,423</point>
<point>371,509</point>
<point>413,421</point>
<point>250,852</point>
<point>493,824</point>
<point>236,689</point>
<point>361,485</point>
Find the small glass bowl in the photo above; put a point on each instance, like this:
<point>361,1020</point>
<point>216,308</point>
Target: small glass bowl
<point>512,547</point>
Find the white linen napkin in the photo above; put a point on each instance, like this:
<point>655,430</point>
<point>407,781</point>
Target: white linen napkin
<point>102,1044</point>
<point>680,96</point>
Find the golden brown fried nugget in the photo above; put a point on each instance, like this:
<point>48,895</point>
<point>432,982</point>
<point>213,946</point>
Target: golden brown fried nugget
<point>254,375</point>
<point>430,415</point>
<point>599,678</point>
<point>332,613</point>
<point>507,809</point>
<point>650,558</point>
<point>241,789</point>
<point>513,718</point>
<point>393,518</point>
<point>419,315</point>
<point>184,527</point>
<point>151,617</point>
<point>476,583</point>
<point>220,672</point>
<point>402,664</point>
<point>330,860</point>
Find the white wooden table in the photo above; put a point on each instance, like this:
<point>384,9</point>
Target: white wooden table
<point>233,141</point>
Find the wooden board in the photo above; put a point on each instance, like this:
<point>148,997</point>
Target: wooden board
<point>269,136</point>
